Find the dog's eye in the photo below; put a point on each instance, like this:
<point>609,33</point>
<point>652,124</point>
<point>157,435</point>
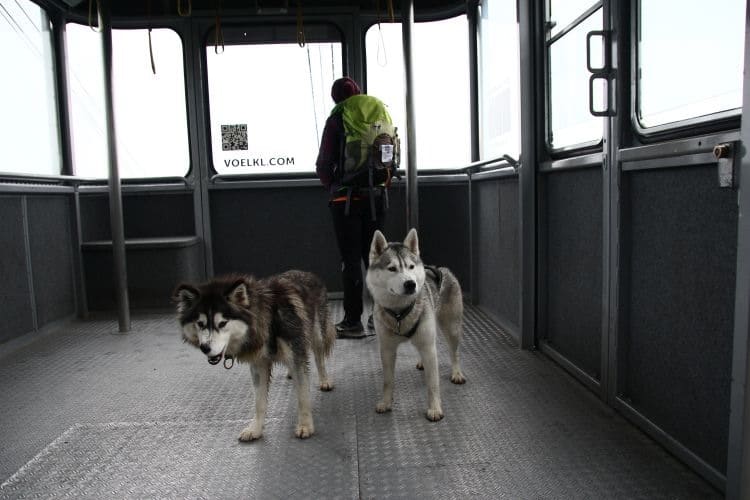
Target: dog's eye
<point>201,325</point>
<point>222,324</point>
<point>411,266</point>
<point>393,269</point>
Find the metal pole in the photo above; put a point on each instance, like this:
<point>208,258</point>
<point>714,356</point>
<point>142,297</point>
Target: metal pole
<point>472,15</point>
<point>115,191</point>
<point>738,455</point>
<point>531,97</point>
<point>412,198</point>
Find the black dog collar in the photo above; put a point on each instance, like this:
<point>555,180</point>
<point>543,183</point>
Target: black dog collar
<point>399,316</point>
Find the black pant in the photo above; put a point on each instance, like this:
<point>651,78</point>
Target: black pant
<point>354,235</point>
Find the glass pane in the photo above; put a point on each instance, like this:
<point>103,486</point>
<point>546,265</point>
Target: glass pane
<point>269,121</point>
<point>29,131</point>
<point>563,12</point>
<point>499,80</point>
<point>691,65</point>
<point>570,120</point>
<point>441,87</point>
<point>150,109</point>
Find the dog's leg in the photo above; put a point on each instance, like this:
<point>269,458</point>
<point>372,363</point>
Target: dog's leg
<point>428,354</point>
<point>305,427</point>
<point>453,336</point>
<point>388,349</point>
<point>319,350</point>
<point>324,380</point>
<point>261,373</point>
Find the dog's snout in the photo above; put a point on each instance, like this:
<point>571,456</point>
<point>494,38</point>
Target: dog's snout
<point>410,286</point>
<point>205,348</point>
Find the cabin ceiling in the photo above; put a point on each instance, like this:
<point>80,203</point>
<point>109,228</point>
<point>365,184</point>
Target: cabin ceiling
<point>157,8</point>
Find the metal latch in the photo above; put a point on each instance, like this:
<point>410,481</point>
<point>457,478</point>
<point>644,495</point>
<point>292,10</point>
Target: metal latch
<point>725,155</point>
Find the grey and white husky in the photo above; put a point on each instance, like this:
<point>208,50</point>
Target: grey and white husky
<point>280,319</point>
<point>411,301</point>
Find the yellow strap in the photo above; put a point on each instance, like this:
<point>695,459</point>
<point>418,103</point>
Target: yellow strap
<point>300,25</point>
<point>150,47</point>
<point>98,29</point>
<point>183,13</point>
<point>218,34</point>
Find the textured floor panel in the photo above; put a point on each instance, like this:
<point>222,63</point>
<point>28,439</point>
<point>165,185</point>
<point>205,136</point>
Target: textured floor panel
<point>190,460</point>
<point>519,428</point>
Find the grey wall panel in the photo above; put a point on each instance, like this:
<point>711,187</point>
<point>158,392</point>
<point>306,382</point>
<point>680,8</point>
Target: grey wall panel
<point>52,241</point>
<point>153,273</point>
<point>679,281</point>
<point>145,215</point>
<point>15,298</point>
<point>395,217</point>
<point>497,240</point>
<point>444,227</point>
<point>572,273</point>
<point>266,231</point>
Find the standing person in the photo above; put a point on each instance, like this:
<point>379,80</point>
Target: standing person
<point>356,208</point>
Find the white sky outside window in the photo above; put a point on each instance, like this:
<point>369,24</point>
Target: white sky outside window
<point>150,109</point>
<point>499,80</point>
<point>571,122</point>
<point>690,56</point>
<point>441,88</point>
<point>268,105</point>
<point>29,129</point>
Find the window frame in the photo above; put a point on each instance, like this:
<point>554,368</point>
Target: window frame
<point>56,103</point>
<point>262,34</point>
<point>581,147</point>
<point>699,125</point>
<point>178,29</point>
<point>436,17</point>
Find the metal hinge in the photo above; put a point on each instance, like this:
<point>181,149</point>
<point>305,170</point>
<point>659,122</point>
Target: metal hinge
<point>725,154</point>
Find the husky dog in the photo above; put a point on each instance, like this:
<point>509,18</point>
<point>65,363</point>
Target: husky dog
<point>410,300</point>
<point>279,319</point>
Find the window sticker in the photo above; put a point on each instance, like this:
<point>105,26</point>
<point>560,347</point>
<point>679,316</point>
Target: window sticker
<point>234,137</point>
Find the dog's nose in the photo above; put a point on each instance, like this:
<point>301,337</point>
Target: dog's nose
<point>410,286</point>
<point>205,348</point>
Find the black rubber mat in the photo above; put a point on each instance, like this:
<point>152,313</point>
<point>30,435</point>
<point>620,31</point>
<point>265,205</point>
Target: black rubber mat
<point>89,413</point>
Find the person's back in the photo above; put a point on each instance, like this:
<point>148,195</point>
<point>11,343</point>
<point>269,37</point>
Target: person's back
<point>356,208</point>
<point>368,129</point>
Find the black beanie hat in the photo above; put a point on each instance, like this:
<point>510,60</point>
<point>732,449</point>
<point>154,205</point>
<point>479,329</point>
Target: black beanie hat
<point>343,88</point>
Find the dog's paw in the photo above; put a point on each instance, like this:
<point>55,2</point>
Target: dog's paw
<point>420,366</point>
<point>326,386</point>
<point>458,378</point>
<point>434,415</point>
<point>304,431</point>
<point>250,433</point>
<point>383,407</point>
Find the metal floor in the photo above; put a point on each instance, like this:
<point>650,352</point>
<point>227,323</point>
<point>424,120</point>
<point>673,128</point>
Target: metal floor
<point>86,413</point>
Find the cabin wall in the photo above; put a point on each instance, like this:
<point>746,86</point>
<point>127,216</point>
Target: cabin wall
<point>497,256</point>
<point>679,258</point>
<point>162,247</point>
<point>37,261</point>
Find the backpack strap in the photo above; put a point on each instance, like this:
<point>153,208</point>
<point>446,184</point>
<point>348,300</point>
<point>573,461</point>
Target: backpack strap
<point>372,196</point>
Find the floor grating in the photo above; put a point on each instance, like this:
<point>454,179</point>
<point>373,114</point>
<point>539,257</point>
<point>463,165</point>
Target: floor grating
<point>90,414</point>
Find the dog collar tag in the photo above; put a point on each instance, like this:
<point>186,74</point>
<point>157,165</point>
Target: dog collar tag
<point>230,364</point>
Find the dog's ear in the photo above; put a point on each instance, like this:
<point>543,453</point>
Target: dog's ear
<point>185,296</point>
<point>412,242</point>
<point>377,246</point>
<point>237,294</point>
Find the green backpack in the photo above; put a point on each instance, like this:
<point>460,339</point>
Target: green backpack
<point>371,151</point>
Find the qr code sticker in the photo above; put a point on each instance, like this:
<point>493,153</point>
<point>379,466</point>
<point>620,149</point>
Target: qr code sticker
<point>234,137</point>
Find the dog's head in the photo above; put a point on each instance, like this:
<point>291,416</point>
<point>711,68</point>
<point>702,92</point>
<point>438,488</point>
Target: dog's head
<point>396,271</point>
<point>211,315</point>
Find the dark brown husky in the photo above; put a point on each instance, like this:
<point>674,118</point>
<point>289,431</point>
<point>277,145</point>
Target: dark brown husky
<point>280,319</point>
